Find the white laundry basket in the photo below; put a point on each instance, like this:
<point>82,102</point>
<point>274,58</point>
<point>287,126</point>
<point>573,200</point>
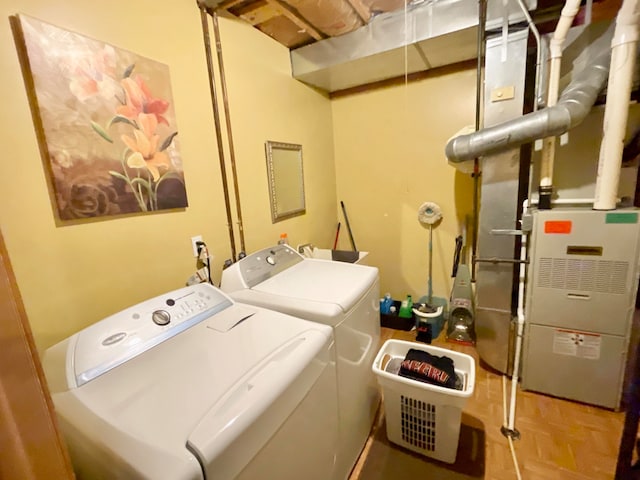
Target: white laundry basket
<point>422,417</point>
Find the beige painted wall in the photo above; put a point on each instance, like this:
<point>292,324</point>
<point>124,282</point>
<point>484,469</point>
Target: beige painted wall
<point>389,148</point>
<point>268,104</point>
<point>72,275</point>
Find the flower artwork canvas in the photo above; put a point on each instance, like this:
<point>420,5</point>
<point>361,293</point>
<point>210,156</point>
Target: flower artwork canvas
<point>106,122</point>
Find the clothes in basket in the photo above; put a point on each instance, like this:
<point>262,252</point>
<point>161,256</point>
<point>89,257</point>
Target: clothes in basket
<point>424,367</point>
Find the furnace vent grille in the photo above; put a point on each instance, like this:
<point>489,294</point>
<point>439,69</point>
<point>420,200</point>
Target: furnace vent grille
<point>602,276</point>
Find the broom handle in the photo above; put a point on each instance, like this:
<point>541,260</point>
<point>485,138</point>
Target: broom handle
<point>335,243</point>
<point>346,220</point>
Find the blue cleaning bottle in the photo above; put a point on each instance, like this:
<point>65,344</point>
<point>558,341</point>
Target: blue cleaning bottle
<point>385,304</point>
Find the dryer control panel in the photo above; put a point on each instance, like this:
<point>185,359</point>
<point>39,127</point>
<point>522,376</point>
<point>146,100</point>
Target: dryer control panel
<point>261,265</point>
<point>120,337</point>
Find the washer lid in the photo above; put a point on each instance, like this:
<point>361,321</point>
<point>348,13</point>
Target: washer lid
<point>259,403</point>
<point>322,281</point>
<point>131,332</point>
<point>204,386</point>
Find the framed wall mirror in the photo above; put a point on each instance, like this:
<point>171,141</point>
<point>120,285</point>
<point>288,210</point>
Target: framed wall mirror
<point>286,180</point>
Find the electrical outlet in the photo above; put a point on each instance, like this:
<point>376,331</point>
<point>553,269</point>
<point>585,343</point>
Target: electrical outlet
<point>194,241</point>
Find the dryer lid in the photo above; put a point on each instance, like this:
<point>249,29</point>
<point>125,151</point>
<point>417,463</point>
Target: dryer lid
<point>322,281</point>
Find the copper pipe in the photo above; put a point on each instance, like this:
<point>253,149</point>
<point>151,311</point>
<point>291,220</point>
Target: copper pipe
<point>216,116</point>
<point>482,18</point>
<point>232,155</point>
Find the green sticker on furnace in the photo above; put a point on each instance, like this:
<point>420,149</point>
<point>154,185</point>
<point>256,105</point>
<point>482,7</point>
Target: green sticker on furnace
<point>622,217</point>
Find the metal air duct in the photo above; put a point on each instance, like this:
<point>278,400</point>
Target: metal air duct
<point>572,107</point>
<point>426,35</point>
<point>505,65</point>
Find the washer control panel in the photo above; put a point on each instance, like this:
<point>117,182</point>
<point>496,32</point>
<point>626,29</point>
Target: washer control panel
<point>266,263</point>
<point>122,336</point>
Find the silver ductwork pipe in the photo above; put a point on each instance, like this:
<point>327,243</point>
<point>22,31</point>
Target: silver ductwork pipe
<point>572,107</point>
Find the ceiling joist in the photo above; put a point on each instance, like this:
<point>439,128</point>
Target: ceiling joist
<point>363,11</point>
<point>259,15</point>
<point>295,18</point>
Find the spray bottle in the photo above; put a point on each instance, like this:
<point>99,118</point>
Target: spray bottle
<point>406,308</point>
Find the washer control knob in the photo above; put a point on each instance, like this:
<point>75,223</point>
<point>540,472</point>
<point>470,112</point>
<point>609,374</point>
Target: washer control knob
<point>161,317</point>
<point>271,260</point>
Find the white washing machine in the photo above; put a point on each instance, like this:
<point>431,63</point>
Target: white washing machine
<point>342,295</point>
<point>191,385</point>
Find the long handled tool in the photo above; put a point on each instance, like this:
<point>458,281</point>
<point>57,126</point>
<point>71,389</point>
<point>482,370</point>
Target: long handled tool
<point>335,243</point>
<point>346,220</point>
<point>430,286</point>
<point>429,214</point>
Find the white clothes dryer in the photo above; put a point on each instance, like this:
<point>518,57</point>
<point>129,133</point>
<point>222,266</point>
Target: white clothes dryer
<point>342,295</point>
<point>191,385</point>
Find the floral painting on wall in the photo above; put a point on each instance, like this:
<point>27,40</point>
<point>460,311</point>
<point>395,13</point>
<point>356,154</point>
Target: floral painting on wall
<point>106,122</point>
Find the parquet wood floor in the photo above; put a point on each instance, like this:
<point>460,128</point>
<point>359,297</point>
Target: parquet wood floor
<point>559,439</point>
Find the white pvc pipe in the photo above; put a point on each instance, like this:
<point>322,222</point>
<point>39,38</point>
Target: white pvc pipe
<point>568,201</point>
<point>569,11</point>
<point>623,57</point>
<point>509,437</point>
<point>514,458</point>
<point>520,328</point>
<point>505,414</point>
<point>510,422</point>
<point>536,35</point>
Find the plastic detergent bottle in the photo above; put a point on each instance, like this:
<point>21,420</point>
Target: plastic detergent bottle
<point>385,304</point>
<point>283,239</point>
<point>405,308</point>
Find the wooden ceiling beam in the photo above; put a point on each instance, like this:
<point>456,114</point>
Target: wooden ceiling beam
<point>299,21</point>
<point>228,4</point>
<point>259,15</point>
<point>361,9</point>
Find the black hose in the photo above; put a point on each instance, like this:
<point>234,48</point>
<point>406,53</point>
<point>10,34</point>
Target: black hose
<point>456,256</point>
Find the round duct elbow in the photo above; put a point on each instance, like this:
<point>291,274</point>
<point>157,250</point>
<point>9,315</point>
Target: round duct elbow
<point>572,108</point>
